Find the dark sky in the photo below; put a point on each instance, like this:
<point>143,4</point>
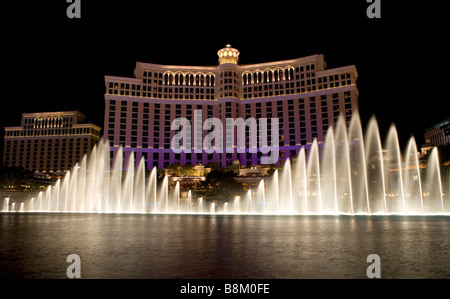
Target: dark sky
<point>49,62</point>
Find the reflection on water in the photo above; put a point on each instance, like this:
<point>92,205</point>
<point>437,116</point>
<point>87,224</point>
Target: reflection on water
<point>203,246</point>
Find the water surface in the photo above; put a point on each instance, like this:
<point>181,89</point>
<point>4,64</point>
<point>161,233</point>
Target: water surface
<point>221,246</point>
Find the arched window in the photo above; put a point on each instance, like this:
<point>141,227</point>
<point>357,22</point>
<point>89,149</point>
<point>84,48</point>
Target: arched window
<point>202,80</point>
<point>182,79</point>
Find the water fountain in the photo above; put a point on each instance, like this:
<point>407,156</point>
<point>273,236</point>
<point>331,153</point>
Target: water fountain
<point>349,173</point>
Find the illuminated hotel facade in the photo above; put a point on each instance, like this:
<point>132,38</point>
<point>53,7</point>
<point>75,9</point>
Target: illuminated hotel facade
<point>439,134</point>
<point>306,97</point>
<point>49,141</point>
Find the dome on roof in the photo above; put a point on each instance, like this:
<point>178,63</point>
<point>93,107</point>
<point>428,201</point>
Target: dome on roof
<point>228,55</point>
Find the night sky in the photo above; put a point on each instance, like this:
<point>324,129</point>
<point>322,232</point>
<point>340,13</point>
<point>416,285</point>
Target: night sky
<point>49,62</point>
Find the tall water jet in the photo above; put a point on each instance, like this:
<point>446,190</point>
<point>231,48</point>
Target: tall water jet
<point>64,192</point>
<point>39,202</point>
<point>200,205</point>
<point>446,193</point>
<point>433,200</point>
<point>343,183</point>
<point>314,180</point>
<point>72,191</point>
<point>189,202</point>
<point>177,196</point>
<point>48,198</point>
<point>92,182</point>
<point>104,173</point>
<point>165,194</point>
<point>285,193</point>
<point>237,208</point>
<point>101,187</point>
<point>57,194</point>
<point>127,189</point>
<point>299,185</point>
<point>139,197</point>
<point>375,168</point>
<point>328,176</point>
<point>82,191</point>
<point>6,204</point>
<point>150,191</point>
<point>412,180</point>
<point>261,197</point>
<point>358,166</point>
<point>250,201</point>
<point>394,178</point>
<point>275,188</point>
<point>116,182</point>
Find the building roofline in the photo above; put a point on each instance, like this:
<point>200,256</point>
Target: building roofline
<point>16,128</point>
<point>123,79</point>
<point>438,125</point>
<point>288,61</point>
<point>338,70</point>
<point>56,113</point>
<point>171,67</point>
<point>86,125</point>
<point>215,68</point>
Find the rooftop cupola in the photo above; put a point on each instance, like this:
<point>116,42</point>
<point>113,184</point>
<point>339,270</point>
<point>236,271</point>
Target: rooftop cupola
<point>228,55</point>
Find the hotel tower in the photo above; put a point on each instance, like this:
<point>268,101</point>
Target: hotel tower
<point>49,141</point>
<point>302,93</point>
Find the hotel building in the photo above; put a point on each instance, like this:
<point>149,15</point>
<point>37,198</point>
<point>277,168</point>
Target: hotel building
<point>49,141</point>
<point>439,134</point>
<point>302,93</point>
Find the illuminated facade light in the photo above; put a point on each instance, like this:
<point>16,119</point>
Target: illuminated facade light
<point>228,55</point>
<point>439,134</point>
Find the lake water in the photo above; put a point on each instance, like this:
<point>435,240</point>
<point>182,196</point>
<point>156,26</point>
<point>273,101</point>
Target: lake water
<point>222,246</point>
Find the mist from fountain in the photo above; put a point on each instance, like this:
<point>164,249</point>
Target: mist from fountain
<point>349,173</point>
